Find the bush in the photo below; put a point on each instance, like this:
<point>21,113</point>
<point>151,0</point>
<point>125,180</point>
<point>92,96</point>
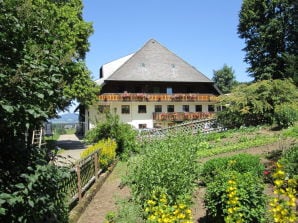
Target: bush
<point>241,163</point>
<point>289,160</point>
<point>286,114</point>
<point>253,104</point>
<point>107,152</point>
<point>170,164</point>
<point>234,196</point>
<point>122,133</point>
<point>38,198</point>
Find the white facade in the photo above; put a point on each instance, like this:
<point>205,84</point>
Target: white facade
<point>140,119</point>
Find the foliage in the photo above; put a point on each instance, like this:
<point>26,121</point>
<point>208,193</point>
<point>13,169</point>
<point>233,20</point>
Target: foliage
<point>286,114</point>
<point>244,200</point>
<point>283,206</point>
<point>270,30</point>
<point>123,134</point>
<point>42,47</point>
<point>255,104</point>
<point>241,163</point>
<point>170,164</point>
<point>106,154</point>
<point>158,209</point>
<point>289,161</point>
<point>37,197</point>
<point>243,143</point>
<point>291,131</point>
<point>43,44</point>
<point>224,79</point>
<point>128,211</point>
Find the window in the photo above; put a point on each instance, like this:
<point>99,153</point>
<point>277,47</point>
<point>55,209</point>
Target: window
<point>169,90</point>
<point>185,108</point>
<point>142,126</point>
<point>142,109</point>
<point>210,108</point>
<point>198,108</point>
<point>170,108</point>
<point>103,108</point>
<point>158,108</point>
<point>125,109</point>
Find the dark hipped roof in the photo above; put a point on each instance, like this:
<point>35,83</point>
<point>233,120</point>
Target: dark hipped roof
<point>154,62</point>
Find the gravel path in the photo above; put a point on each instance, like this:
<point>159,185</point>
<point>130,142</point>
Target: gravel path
<point>71,148</point>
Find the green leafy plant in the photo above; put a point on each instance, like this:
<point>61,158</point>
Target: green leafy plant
<point>286,114</point>
<point>123,134</point>
<point>242,163</point>
<point>169,163</point>
<point>39,197</point>
<point>243,201</point>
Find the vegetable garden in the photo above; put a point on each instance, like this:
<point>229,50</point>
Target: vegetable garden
<point>165,174</point>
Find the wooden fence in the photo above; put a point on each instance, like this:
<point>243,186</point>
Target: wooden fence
<point>84,173</point>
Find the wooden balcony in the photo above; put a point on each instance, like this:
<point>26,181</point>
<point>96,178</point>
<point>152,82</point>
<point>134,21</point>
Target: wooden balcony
<point>181,116</point>
<point>157,97</point>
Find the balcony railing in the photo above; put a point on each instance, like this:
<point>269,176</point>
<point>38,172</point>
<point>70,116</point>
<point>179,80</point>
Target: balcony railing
<point>156,97</point>
<point>181,116</point>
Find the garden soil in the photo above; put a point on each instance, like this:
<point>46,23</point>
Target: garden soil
<point>105,199</point>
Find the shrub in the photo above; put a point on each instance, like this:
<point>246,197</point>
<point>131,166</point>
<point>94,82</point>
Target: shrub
<point>107,152</point>
<point>170,164</point>
<point>123,134</point>
<point>289,160</point>
<point>233,196</point>
<point>38,198</point>
<point>286,114</point>
<point>254,104</point>
<point>241,163</point>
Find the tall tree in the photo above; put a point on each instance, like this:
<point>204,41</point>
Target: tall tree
<point>270,30</point>
<point>224,78</point>
<point>42,50</point>
<point>43,44</point>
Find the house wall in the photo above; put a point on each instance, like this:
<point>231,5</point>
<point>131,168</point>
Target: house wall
<point>94,116</point>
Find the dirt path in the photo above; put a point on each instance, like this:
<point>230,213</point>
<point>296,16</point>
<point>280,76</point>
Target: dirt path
<point>104,200</point>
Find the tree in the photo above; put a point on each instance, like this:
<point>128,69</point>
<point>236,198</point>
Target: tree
<point>224,78</point>
<point>258,103</point>
<point>270,30</point>
<point>42,50</point>
<point>43,44</point>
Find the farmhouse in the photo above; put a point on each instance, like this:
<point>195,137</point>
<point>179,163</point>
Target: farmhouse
<point>152,88</point>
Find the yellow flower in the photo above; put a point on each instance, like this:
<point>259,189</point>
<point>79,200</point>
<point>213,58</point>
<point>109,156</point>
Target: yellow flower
<point>181,216</point>
<point>278,182</point>
<point>230,210</point>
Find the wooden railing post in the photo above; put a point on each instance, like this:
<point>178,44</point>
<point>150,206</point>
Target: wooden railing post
<point>78,171</point>
<point>96,165</point>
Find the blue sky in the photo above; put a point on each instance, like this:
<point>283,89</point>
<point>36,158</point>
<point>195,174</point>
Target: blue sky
<point>203,33</point>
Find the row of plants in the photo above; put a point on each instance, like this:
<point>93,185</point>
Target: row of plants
<point>235,189</point>
<point>162,178</point>
<point>163,174</point>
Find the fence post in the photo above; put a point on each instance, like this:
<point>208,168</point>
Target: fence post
<point>78,171</point>
<point>96,165</point>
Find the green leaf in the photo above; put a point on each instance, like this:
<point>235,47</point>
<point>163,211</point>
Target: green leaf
<point>8,108</point>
